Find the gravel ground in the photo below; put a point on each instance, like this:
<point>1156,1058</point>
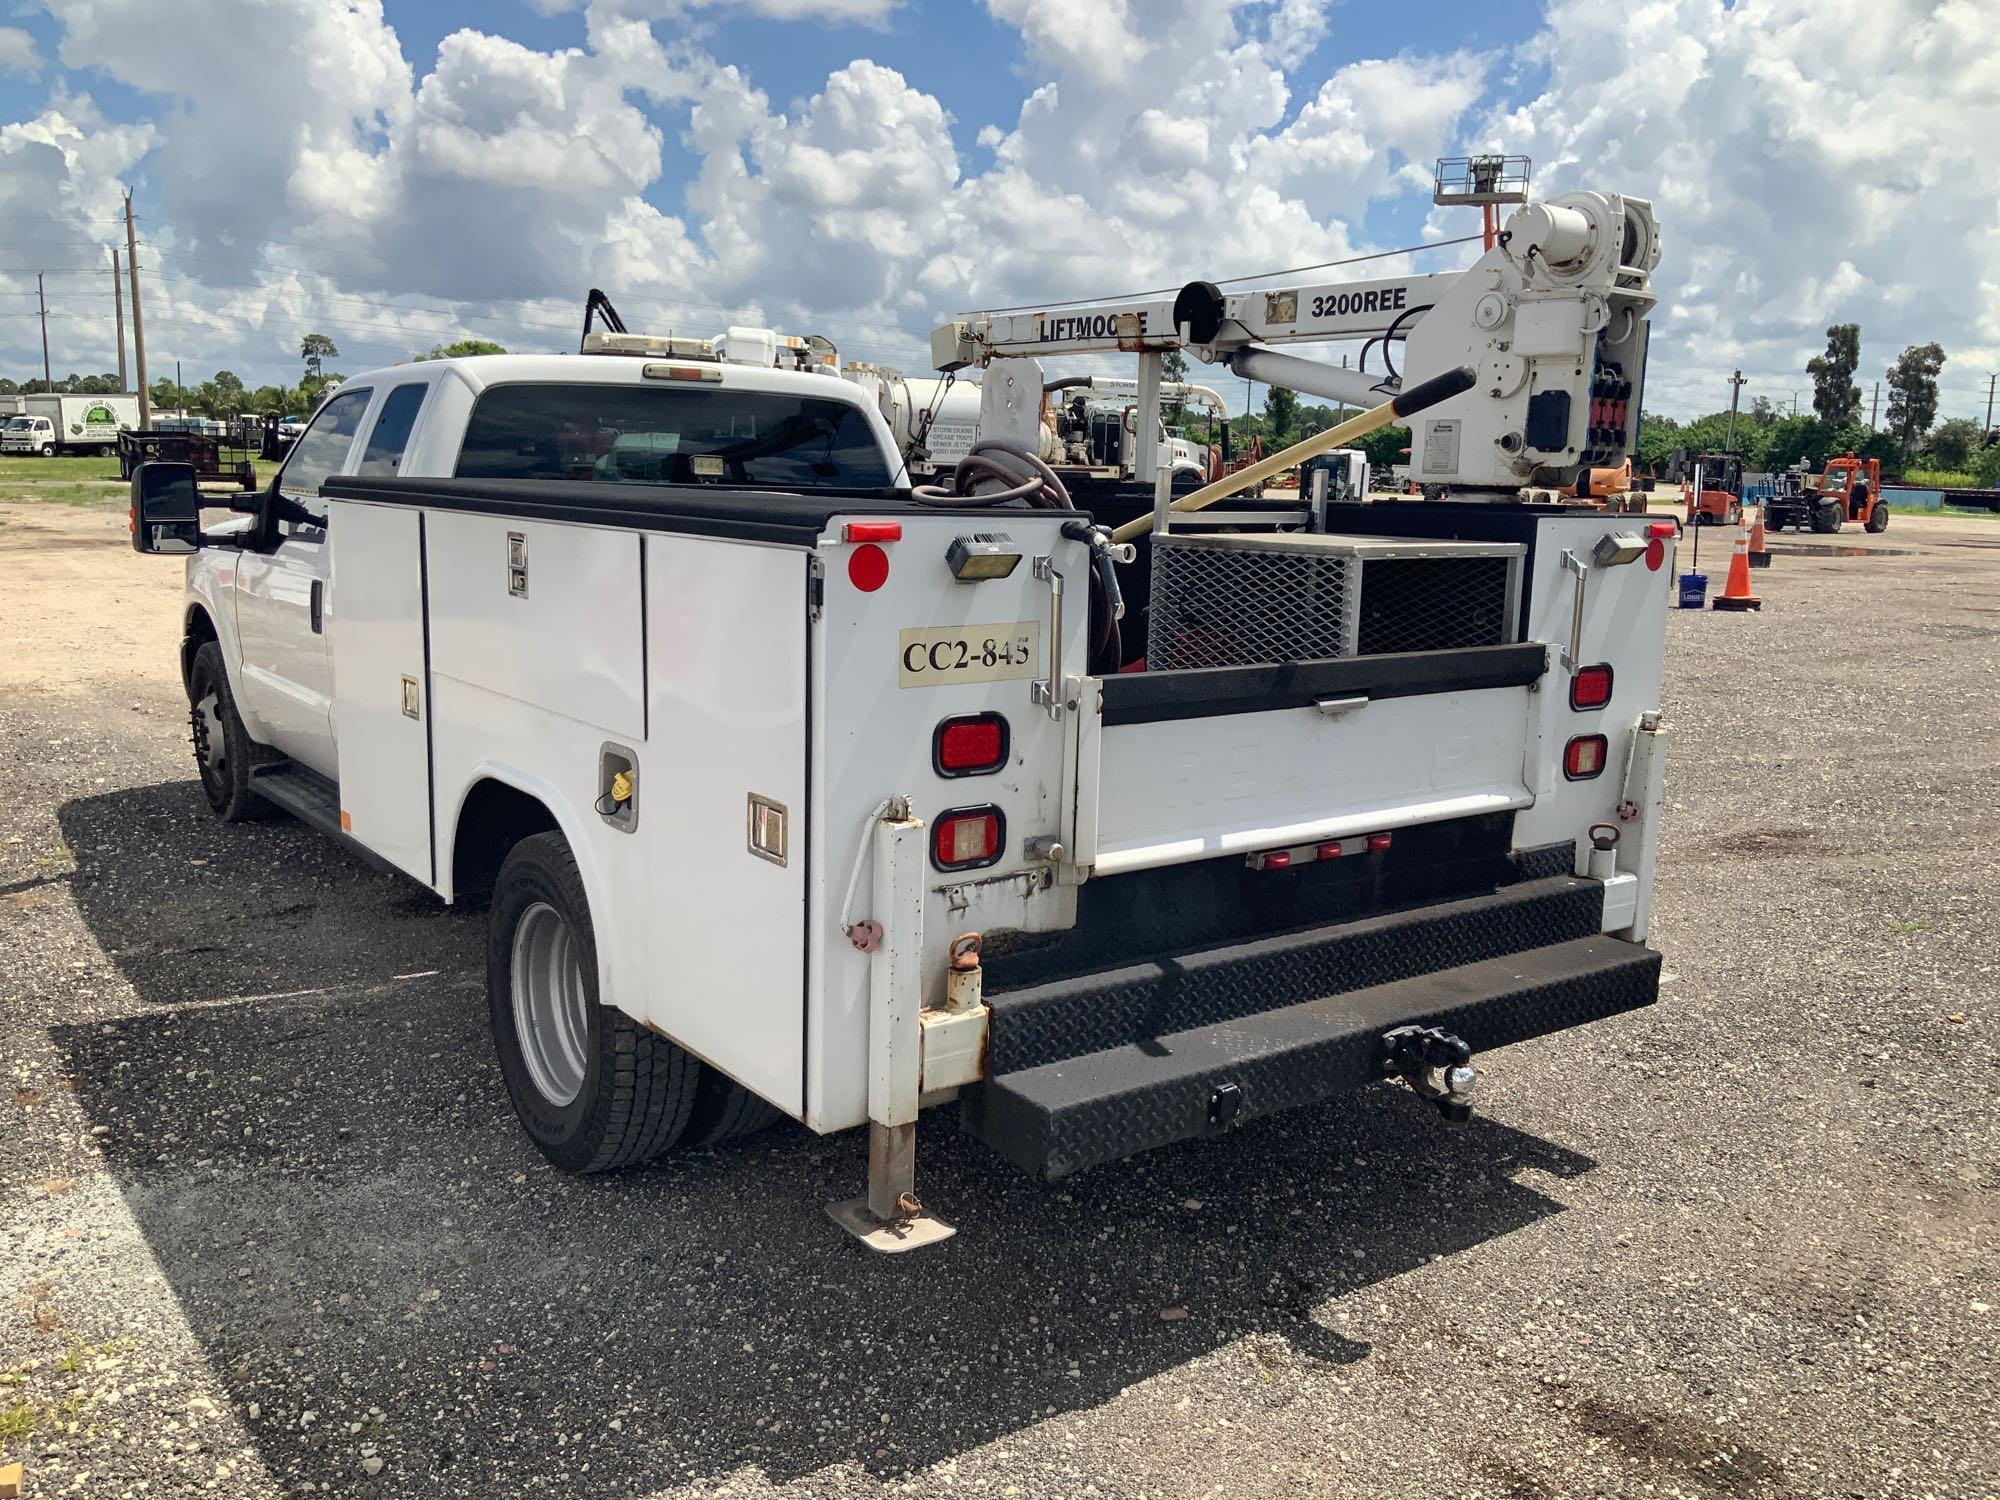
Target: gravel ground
<point>270,1227</point>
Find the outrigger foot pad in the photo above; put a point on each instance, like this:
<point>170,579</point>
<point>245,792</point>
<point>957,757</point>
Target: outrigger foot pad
<point>1436,1065</point>
<point>910,1231</point>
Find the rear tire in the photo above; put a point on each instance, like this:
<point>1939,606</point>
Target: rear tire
<point>725,1111</point>
<point>224,753</point>
<point>594,1089</point>
<point>1878,518</point>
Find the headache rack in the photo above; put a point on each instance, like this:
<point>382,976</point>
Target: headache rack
<point>1250,599</point>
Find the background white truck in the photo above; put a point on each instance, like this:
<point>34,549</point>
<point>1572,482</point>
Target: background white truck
<point>63,424</point>
<point>797,792</point>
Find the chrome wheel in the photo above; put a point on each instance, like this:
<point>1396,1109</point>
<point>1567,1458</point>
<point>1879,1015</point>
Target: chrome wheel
<point>551,1010</point>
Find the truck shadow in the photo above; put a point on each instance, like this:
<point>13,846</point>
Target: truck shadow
<point>305,1118</point>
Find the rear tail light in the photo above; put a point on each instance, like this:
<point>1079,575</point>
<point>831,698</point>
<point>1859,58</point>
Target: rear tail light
<point>1377,842</point>
<point>972,745</point>
<point>1329,850</point>
<point>1583,757</point>
<point>967,837</point>
<point>1590,687</point>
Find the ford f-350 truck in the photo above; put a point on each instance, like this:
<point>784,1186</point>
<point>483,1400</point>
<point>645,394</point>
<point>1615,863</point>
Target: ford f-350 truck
<point>796,792</point>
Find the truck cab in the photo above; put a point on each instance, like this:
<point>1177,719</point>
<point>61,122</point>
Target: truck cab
<point>29,434</point>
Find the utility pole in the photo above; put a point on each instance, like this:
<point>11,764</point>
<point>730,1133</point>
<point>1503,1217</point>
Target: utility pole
<point>138,319</point>
<point>1795,403</point>
<point>1736,384</point>
<point>118,312</point>
<point>1989,402</point>
<point>48,380</point>
<point>1874,402</point>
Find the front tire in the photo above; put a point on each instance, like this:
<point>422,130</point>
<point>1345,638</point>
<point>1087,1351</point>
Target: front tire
<point>48,450</point>
<point>224,753</point>
<point>1827,517</point>
<point>594,1090</point>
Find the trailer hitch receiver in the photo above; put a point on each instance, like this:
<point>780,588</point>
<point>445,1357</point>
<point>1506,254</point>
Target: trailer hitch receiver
<point>1436,1065</point>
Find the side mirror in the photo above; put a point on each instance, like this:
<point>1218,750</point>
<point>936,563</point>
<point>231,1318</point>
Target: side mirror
<point>166,509</point>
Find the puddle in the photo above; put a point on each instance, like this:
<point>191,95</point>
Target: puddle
<point>1994,545</point>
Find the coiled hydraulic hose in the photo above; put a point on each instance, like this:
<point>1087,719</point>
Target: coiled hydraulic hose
<point>1022,475</point>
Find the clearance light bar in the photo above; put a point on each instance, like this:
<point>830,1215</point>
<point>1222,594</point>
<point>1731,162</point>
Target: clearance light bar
<point>1306,854</point>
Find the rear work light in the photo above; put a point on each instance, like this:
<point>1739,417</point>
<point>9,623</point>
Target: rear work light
<point>967,837</point>
<point>1583,757</point>
<point>1590,687</point>
<point>972,745</point>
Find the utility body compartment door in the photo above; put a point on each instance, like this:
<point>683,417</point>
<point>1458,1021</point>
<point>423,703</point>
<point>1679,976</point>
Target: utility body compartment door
<point>381,684</point>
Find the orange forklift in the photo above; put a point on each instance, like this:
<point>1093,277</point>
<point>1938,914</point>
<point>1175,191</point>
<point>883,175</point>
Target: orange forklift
<point>1849,490</point>
<point>1713,489</point>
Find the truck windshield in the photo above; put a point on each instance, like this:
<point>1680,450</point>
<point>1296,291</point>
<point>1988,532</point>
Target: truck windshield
<point>670,435</point>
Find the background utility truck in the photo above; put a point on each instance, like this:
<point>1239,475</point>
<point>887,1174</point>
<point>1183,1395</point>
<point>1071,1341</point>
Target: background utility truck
<point>77,426</point>
<point>796,790</point>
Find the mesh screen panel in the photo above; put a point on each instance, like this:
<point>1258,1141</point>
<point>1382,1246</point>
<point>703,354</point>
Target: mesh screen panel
<point>1245,605</point>
<point>1433,604</point>
<point>1238,607</point>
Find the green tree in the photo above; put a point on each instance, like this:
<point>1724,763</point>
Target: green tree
<point>1658,438</point>
<point>1836,398</point>
<point>459,349</point>
<point>1951,444</point>
<point>1173,370</point>
<point>1913,393</point>
<point>1386,447</point>
<point>316,349</point>
<point>1281,412</point>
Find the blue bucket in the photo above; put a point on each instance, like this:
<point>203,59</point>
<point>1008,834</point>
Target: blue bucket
<point>1694,590</point>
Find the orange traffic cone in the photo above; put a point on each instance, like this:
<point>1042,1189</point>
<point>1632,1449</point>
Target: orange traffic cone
<point>1736,591</point>
<point>1760,557</point>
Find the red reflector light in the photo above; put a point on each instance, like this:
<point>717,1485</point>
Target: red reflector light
<point>1277,859</point>
<point>1662,530</point>
<point>868,568</point>
<point>966,838</point>
<point>1590,688</point>
<point>1583,757</point>
<point>1377,842</point>
<point>1330,849</point>
<point>1656,555</point>
<point>872,531</point>
<point>970,746</point>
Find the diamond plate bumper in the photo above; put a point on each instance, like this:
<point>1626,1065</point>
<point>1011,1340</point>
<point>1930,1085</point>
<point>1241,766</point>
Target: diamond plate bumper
<point>1077,1111</point>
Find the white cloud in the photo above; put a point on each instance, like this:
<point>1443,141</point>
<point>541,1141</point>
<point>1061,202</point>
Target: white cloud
<point>1165,139</point>
<point>18,53</point>
<point>1811,161</point>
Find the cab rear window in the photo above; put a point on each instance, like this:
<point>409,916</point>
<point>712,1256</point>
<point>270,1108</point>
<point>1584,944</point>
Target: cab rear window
<point>669,435</point>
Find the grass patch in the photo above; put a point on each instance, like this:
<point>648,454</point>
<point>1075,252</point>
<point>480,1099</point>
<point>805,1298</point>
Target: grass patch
<point>16,469</point>
<point>1915,924</point>
<point>1943,479</point>
<point>66,494</point>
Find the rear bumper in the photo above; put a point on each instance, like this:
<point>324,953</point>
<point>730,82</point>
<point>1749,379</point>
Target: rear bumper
<point>1091,1069</point>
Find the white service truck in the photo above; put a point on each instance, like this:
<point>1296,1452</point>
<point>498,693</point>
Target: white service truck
<point>63,424</point>
<point>797,791</point>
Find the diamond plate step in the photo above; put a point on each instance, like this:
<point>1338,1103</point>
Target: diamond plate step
<point>1063,1116</point>
<point>1069,1017</point>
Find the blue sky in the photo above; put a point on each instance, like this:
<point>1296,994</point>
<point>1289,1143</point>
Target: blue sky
<point>406,172</point>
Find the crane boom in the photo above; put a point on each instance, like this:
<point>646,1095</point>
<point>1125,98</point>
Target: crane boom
<point>1553,319</point>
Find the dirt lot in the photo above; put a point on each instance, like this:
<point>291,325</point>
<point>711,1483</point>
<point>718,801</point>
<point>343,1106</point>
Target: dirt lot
<point>270,1228</point>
